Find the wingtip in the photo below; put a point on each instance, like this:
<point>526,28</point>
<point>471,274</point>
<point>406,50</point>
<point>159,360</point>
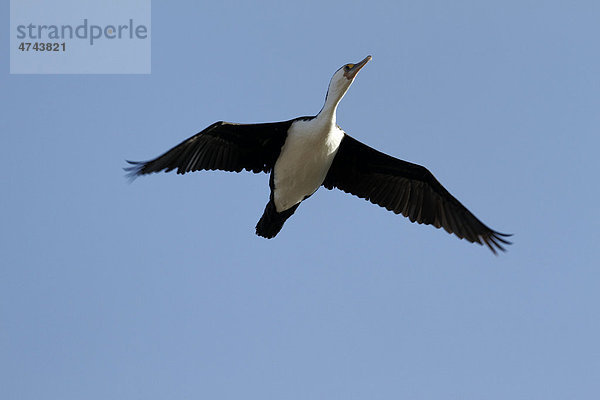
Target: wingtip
<point>133,171</point>
<point>495,241</point>
<point>500,236</point>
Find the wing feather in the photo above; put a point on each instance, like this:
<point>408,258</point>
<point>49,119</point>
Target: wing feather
<point>407,189</point>
<point>222,146</point>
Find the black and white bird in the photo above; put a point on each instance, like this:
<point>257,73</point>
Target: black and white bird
<point>306,153</point>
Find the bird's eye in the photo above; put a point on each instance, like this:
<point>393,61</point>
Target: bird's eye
<point>350,66</point>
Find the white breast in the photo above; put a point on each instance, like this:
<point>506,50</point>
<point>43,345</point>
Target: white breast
<point>305,158</point>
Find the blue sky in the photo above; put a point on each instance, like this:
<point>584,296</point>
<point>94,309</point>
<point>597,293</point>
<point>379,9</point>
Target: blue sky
<point>160,289</point>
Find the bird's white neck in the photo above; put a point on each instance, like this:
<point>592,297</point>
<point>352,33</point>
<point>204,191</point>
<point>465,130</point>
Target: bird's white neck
<point>337,89</point>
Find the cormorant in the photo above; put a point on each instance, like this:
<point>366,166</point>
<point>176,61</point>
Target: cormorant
<point>306,153</point>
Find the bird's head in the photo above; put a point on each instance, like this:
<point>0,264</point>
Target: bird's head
<point>342,79</point>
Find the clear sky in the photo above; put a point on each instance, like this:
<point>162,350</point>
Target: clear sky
<point>160,289</point>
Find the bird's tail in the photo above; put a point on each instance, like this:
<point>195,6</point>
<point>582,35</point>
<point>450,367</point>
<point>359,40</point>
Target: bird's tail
<point>272,221</point>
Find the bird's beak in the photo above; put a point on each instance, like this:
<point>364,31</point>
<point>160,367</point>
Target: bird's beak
<point>354,70</point>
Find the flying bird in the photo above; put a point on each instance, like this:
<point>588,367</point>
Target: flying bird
<point>306,153</point>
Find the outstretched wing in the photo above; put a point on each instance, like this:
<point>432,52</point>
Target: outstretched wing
<point>405,188</point>
<point>224,146</point>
